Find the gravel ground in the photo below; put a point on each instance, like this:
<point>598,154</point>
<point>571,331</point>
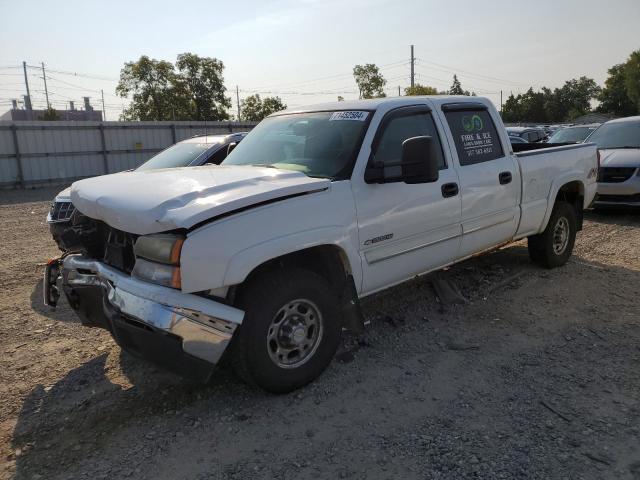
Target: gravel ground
<point>537,375</point>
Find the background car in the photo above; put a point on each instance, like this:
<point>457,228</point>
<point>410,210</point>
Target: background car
<point>530,134</point>
<point>513,139</point>
<point>575,134</point>
<point>619,174</point>
<point>192,152</point>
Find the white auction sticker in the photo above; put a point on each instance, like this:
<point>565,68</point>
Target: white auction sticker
<point>349,115</point>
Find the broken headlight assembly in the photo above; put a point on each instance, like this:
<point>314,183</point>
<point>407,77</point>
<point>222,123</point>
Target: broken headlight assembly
<point>158,259</point>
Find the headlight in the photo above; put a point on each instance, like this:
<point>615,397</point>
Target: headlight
<point>158,259</point>
<point>167,275</point>
<point>163,248</point>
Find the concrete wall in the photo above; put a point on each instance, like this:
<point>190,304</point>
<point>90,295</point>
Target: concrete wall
<point>40,153</point>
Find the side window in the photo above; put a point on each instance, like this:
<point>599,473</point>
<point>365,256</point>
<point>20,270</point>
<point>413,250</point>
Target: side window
<point>400,128</point>
<point>474,135</point>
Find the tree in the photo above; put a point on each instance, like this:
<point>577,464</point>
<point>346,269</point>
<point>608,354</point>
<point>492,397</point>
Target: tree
<point>632,78</point>
<point>155,91</point>
<point>50,114</point>
<point>418,89</point>
<point>254,108</point>
<point>205,85</point>
<point>576,95</point>
<point>614,98</point>
<point>369,80</point>
<point>194,92</point>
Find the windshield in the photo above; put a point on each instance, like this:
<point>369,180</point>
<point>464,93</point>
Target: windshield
<point>318,144</point>
<point>574,135</point>
<point>179,155</point>
<point>617,135</point>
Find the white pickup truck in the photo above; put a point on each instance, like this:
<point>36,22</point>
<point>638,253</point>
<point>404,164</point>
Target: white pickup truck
<point>269,253</point>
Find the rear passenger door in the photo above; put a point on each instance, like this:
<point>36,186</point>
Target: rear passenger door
<point>489,178</point>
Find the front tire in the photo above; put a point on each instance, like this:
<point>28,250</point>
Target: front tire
<point>290,332</point>
<point>553,247</point>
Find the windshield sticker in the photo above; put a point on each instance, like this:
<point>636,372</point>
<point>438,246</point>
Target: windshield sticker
<point>358,116</point>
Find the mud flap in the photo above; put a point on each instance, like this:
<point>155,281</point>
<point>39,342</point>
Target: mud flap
<point>352,317</point>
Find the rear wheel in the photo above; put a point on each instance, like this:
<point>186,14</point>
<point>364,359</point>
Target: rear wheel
<point>553,247</point>
<point>290,332</point>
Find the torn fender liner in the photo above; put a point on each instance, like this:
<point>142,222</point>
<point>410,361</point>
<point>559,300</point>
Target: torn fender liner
<point>160,200</point>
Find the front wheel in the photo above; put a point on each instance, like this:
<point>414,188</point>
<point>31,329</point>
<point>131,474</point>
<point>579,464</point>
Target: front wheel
<point>553,247</point>
<point>290,331</point>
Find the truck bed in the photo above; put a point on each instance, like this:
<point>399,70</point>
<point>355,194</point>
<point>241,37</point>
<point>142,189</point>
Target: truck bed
<point>542,167</point>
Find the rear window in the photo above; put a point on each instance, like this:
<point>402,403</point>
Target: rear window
<point>475,136</point>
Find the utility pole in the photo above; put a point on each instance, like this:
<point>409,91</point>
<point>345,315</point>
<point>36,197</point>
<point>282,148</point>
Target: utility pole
<point>104,112</point>
<point>46,92</point>
<point>238,101</point>
<point>413,61</point>
<point>399,91</point>
<point>500,102</point>
<point>27,102</point>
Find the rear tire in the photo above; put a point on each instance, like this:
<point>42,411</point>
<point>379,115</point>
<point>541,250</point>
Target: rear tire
<point>553,247</point>
<point>290,332</point>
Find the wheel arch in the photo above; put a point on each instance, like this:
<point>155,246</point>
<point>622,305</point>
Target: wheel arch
<point>567,190</point>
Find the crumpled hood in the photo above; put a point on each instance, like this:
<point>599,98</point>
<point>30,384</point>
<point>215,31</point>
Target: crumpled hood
<point>621,157</point>
<point>160,200</point>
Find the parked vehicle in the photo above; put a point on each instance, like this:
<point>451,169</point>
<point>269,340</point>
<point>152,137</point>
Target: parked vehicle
<point>530,134</point>
<point>266,256</point>
<point>198,150</point>
<point>619,144</point>
<point>574,134</point>
<point>513,139</point>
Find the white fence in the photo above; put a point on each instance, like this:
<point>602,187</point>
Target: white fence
<point>39,153</point>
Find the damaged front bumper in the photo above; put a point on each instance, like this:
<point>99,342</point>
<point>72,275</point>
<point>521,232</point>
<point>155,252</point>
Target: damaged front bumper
<point>184,332</point>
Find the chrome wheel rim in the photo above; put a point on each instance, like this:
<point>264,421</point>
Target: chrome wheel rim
<point>294,333</point>
<point>560,236</point>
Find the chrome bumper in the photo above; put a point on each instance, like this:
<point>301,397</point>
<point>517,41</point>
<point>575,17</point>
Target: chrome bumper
<point>204,326</point>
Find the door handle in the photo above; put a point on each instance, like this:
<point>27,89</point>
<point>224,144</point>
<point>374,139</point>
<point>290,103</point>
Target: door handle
<point>449,190</point>
<point>505,177</point>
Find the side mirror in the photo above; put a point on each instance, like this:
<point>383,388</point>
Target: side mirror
<point>418,164</point>
<point>419,161</point>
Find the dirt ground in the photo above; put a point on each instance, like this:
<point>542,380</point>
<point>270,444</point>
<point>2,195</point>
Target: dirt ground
<point>536,376</point>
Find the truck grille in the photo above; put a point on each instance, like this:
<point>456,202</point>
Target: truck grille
<point>61,211</point>
<point>102,242</point>
<point>615,174</point>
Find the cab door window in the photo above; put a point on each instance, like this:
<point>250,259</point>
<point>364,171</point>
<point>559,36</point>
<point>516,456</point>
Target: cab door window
<point>400,128</point>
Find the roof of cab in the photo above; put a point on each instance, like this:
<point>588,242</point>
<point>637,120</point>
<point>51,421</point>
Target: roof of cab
<point>387,103</point>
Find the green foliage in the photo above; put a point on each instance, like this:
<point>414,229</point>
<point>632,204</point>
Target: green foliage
<point>254,108</point>
<point>204,81</point>
<point>194,92</point>
<point>456,88</point>
<point>558,105</point>
<point>50,114</point>
<point>369,80</point>
<point>632,78</point>
<point>418,89</point>
<point>614,98</point>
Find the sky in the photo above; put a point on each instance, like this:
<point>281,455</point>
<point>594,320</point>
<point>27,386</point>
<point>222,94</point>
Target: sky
<point>304,51</point>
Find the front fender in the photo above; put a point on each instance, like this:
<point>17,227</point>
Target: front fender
<point>244,262</point>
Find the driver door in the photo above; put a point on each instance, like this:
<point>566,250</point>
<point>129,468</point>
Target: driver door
<point>406,229</point>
